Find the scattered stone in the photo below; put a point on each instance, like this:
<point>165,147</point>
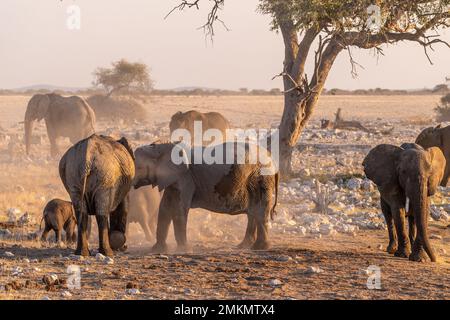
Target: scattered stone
<point>312,269</point>
<point>283,258</point>
<point>13,214</point>
<point>66,294</point>
<point>100,257</point>
<point>46,298</point>
<point>275,282</point>
<point>9,254</point>
<point>354,184</point>
<point>133,291</point>
<point>50,279</point>
<point>108,260</point>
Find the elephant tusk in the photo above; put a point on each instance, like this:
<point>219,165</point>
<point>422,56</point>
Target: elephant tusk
<point>407,205</point>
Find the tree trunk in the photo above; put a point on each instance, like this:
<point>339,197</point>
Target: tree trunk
<point>300,103</point>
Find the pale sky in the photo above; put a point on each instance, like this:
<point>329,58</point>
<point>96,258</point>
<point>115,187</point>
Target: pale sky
<point>36,47</point>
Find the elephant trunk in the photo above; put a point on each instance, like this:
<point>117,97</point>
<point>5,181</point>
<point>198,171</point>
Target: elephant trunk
<point>28,132</point>
<point>421,208</point>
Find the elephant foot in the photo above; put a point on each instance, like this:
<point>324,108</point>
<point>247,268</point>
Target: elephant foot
<point>82,252</point>
<point>402,252</point>
<point>391,248</point>
<point>184,248</point>
<point>106,252</point>
<point>418,256</point>
<point>245,244</point>
<point>159,248</point>
<point>261,245</point>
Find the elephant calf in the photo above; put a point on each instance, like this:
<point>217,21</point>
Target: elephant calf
<point>97,172</point>
<point>59,215</point>
<point>143,209</point>
<point>222,187</point>
<point>409,174</point>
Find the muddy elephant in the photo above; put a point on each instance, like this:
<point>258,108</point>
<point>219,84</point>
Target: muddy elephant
<point>406,178</point>
<point>97,172</point>
<point>437,137</point>
<point>69,117</point>
<point>58,215</point>
<point>239,187</point>
<point>143,209</point>
<point>209,120</point>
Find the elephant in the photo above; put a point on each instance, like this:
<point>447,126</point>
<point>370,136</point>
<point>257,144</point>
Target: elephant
<point>143,209</point>
<point>97,172</point>
<point>406,177</point>
<point>437,137</point>
<point>223,187</point>
<point>59,215</point>
<point>210,120</point>
<point>70,117</point>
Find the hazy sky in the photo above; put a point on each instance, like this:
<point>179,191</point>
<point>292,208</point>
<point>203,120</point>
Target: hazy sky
<point>36,47</point>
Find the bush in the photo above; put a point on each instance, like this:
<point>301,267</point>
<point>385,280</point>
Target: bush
<point>116,108</point>
<point>443,110</point>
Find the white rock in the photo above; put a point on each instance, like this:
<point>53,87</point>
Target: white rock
<point>66,294</point>
<point>132,291</point>
<point>275,282</point>
<point>9,254</point>
<point>312,269</point>
<point>16,271</point>
<point>100,257</point>
<point>108,260</point>
<point>46,298</point>
<point>354,184</point>
<point>436,236</point>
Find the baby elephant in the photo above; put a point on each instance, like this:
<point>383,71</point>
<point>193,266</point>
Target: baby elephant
<point>58,216</point>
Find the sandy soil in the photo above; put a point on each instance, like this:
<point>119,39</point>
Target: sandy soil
<point>216,269</point>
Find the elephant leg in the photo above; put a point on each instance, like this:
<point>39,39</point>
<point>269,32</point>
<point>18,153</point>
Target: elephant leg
<point>45,233</point>
<point>103,235</point>
<point>404,247</point>
<point>58,236</point>
<point>261,212</point>
<point>52,137</point>
<point>412,228</point>
<point>164,220</point>
<point>180,218</point>
<point>82,220</point>
<point>144,225</point>
<point>386,209</point>
<point>250,234</point>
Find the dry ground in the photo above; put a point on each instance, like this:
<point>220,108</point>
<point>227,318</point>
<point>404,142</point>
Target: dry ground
<point>216,270</point>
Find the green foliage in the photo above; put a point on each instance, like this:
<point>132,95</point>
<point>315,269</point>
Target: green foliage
<point>353,15</point>
<point>124,77</point>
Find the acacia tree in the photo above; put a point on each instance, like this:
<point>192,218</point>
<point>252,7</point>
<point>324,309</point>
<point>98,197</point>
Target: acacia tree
<point>124,77</point>
<point>334,26</point>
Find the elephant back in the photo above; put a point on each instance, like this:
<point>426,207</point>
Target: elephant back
<point>380,164</point>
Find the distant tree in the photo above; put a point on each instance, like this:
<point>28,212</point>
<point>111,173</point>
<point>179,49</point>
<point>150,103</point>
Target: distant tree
<point>334,26</point>
<point>443,110</point>
<point>124,77</point>
<point>243,90</point>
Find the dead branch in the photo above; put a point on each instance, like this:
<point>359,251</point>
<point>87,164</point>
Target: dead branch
<point>340,123</point>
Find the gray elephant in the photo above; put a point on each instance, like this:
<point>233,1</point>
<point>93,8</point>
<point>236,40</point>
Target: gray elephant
<point>143,209</point>
<point>230,188</point>
<point>70,117</point>
<point>437,137</point>
<point>97,172</point>
<point>209,120</point>
<point>58,215</point>
<point>406,177</point>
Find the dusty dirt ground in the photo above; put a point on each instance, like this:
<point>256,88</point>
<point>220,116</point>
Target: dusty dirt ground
<point>301,265</point>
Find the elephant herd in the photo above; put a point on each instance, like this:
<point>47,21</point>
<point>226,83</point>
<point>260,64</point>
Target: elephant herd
<point>102,177</point>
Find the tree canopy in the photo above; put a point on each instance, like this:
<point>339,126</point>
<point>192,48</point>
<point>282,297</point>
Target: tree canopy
<point>124,77</point>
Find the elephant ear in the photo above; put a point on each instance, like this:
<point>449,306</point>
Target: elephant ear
<point>38,107</point>
<point>123,141</point>
<point>437,162</point>
<point>172,165</point>
<point>380,165</point>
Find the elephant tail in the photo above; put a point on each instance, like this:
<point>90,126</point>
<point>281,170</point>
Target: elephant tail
<point>40,223</point>
<point>277,181</point>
